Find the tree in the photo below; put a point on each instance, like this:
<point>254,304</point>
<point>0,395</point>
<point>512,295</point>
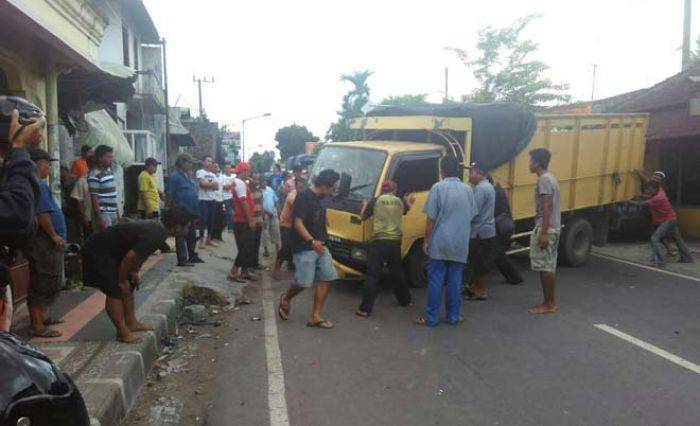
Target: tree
<point>262,163</point>
<point>353,102</point>
<point>405,100</point>
<point>291,140</point>
<point>505,71</point>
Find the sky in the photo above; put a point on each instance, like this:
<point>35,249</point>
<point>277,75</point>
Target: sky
<point>286,57</point>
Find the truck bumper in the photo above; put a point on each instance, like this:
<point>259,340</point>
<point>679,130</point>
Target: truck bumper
<point>347,273</point>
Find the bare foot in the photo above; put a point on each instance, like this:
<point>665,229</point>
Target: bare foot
<point>129,338</point>
<point>543,309</point>
<point>139,326</point>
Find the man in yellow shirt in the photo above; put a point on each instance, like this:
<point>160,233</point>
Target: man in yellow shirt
<point>149,194</point>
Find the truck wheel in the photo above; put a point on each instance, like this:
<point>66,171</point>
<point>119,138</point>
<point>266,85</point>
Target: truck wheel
<point>576,240</point>
<point>415,266</point>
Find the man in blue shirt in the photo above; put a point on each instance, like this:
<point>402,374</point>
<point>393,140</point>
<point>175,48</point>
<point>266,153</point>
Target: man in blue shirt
<point>483,235</point>
<point>45,253</point>
<point>182,192</point>
<point>276,177</point>
<point>449,210</point>
<point>271,221</point>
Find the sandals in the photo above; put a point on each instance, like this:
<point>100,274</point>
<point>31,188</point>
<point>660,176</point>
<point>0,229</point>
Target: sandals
<point>46,333</point>
<point>235,279</point>
<point>324,324</point>
<point>282,311</point>
<point>361,314</point>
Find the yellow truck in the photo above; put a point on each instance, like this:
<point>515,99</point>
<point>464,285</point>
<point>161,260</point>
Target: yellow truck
<point>593,157</point>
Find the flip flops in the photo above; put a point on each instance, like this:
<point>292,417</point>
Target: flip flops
<point>324,324</point>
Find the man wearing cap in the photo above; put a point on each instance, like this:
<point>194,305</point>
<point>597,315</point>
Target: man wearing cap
<point>149,194</point>
<point>385,246</point>
<point>244,225</point>
<point>664,218</point>
<point>483,232</point>
<point>45,252</point>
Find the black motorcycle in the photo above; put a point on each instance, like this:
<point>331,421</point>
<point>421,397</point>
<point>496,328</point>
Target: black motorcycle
<point>34,391</point>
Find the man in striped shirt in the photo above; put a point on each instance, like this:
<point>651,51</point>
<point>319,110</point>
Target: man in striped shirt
<point>103,189</point>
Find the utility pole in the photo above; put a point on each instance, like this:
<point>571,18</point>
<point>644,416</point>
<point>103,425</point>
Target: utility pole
<point>447,84</point>
<point>199,82</point>
<point>595,70</point>
<point>687,60</point>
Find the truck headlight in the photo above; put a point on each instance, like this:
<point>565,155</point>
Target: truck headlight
<point>358,254</point>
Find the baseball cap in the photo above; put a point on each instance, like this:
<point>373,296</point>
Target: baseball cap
<point>389,185</point>
<point>243,167</point>
<point>150,161</point>
<point>37,154</point>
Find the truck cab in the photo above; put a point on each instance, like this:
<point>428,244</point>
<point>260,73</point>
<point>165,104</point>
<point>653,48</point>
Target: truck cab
<point>415,168</point>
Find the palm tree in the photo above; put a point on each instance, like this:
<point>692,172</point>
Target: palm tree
<point>353,101</point>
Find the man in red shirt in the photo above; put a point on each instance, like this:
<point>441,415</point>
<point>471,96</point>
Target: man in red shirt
<point>244,226</point>
<point>664,218</point>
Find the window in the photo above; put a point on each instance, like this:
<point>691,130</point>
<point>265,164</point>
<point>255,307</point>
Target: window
<point>416,174</point>
<point>125,45</point>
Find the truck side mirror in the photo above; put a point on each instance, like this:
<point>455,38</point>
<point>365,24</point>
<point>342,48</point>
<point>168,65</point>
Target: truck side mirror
<point>344,185</point>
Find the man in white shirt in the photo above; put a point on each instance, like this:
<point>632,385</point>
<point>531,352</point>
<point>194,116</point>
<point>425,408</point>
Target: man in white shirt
<point>208,189</point>
<point>226,183</point>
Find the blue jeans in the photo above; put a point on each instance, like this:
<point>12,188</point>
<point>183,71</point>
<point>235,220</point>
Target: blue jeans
<point>669,228</point>
<point>441,272</point>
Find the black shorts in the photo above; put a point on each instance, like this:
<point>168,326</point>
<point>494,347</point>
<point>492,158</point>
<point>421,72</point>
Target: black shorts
<point>481,255</point>
<point>286,250</point>
<point>101,271</point>
<point>245,243</point>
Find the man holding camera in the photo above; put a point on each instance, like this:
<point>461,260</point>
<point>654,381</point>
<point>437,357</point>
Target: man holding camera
<point>18,190</point>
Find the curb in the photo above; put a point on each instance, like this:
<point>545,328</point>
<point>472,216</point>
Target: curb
<point>114,379</point>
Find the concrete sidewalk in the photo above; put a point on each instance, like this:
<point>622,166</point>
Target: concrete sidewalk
<point>640,252</point>
<point>109,374</point>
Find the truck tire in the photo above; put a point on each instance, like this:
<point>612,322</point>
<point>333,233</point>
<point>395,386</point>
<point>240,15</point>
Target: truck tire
<point>576,241</point>
<point>415,266</point>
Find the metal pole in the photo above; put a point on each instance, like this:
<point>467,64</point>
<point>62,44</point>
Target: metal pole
<point>447,84</point>
<point>243,140</point>
<point>595,69</point>
<point>53,143</point>
<point>687,59</point>
<point>167,104</point>
<point>199,87</point>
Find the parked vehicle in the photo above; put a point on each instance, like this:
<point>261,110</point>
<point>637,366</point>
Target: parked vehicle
<point>594,157</point>
<point>34,391</point>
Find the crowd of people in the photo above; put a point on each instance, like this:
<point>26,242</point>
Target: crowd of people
<point>467,234</point>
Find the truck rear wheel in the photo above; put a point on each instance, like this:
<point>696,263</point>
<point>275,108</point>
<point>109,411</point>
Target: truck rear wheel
<point>576,241</point>
<point>415,266</point>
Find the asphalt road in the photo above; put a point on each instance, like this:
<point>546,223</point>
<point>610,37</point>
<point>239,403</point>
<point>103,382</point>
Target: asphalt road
<point>501,366</point>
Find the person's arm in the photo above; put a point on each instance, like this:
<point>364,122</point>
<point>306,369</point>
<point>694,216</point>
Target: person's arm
<point>305,235</point>
<point>643,177</point>
<point>101,225</point>
<point>367,209</point>
<point>44,220</point>
<point>429,225</point>
<point>408,200</point>
<point>205,184</point>
<point>129,269</point>
<point>546,200</point>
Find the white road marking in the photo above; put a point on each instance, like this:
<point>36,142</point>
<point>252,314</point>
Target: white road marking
<point>651,348</point>
<point>276,399</point>
<point>649,268</point>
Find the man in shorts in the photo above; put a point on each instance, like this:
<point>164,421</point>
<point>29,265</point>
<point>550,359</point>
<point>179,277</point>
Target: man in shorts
<point>312,259</point>
<point>286,223</point>
<point>544,241</point>
<point>112,260</point>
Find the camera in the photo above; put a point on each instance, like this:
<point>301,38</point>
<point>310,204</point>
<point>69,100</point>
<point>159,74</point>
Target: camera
<point>28,112</point>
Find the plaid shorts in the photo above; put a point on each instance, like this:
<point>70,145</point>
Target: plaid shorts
<point>544,260</point>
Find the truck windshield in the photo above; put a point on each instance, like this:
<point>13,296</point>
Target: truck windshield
<point>363,165</point>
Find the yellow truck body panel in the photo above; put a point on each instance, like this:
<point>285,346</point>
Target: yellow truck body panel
<point>593,157</point>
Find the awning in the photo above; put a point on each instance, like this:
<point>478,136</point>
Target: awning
<point>100,129</point>
<point>178,132</point>
<point>81,90</point>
